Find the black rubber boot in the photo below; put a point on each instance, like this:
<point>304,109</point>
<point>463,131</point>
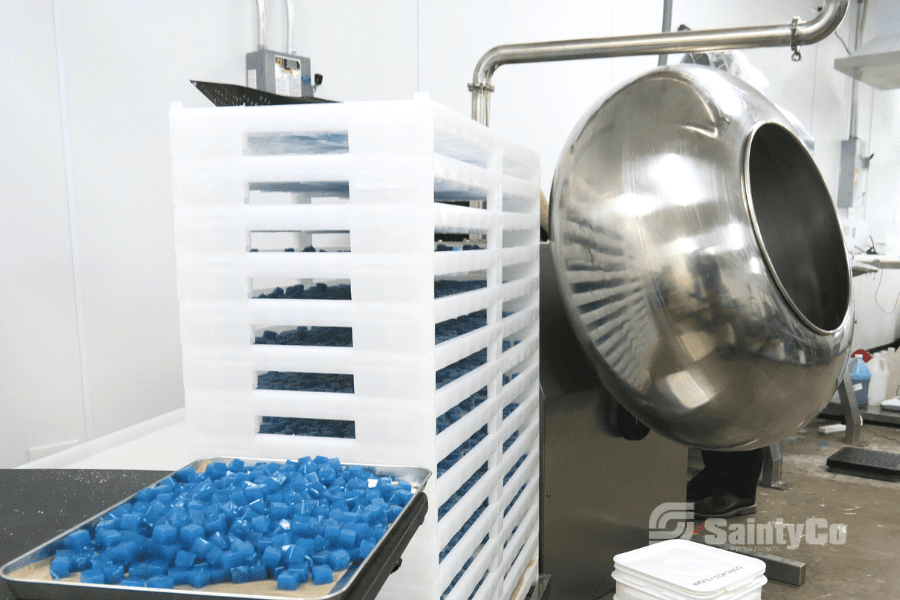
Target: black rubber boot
<point>723,504</point>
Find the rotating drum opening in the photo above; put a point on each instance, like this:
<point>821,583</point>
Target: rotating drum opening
<point>796,226</point>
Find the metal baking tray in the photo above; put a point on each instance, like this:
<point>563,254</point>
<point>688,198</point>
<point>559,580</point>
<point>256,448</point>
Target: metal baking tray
<point>229,94</point>
<point>28,576</point>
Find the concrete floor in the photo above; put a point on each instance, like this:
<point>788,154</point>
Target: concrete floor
<point>867,564</point>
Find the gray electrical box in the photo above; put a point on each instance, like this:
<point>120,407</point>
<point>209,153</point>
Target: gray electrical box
<point>848,184</point>
<point>279,73</point>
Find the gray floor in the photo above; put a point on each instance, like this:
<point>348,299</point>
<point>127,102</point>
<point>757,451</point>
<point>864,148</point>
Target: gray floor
<point>867,564</point>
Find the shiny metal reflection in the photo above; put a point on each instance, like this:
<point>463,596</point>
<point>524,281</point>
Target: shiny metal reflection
<point>701,260</point>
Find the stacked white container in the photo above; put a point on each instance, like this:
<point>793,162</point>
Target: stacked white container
<point>892,364</point>
<point>684,570</point>
<point>371,183</point>
<point>878,367</point>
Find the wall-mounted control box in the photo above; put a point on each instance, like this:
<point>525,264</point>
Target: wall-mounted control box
<point>279,73</point>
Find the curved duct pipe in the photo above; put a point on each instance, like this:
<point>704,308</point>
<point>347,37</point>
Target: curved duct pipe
<point>261,22</point>
<point>793,34</point>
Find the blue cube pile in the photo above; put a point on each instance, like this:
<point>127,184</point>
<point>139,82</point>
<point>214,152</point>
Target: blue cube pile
<point>294,522</point>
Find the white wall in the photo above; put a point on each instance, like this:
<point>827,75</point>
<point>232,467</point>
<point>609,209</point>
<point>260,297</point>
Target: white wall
<point>89,318</point>
<point>89,338</point>
<point>40,366</point>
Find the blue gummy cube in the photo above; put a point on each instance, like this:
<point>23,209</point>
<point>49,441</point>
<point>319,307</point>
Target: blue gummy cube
<point>81,561</point>
<point>155,511</point>
<point>245,549</point>
<point>187,475</point>
<point>158,567</point>
<point>167,553</point>
<point>393,511</point>
<point>378,532</point>
<point>338,560</point>
<point>271,556</point>
<point>200,547</point>
<point>216,470</point>
<point>179,576</point>
<point>236,464</point>
<point>113,574</point>
<point>178,518</point>
<point>129,521</point>
<point>240,574</point>
<point>361,529</point>
<point>295,553</point>
<point>219,540</point>
<point>240,528</point>
<point>365,548</point>
<point>205,491</point>
<point>161,582</point>
<point>289,580</point>
<point>306,526</point>
<point>107,538</point>
<point>261,524</point>
<point>185,559</point>
<point>214,555</point>
<point>92,576</point>
<point>78,540</point>
<point>321,574</point>
<point>133,582</point>
<point>124,553</point>
<point>347,538</point>
<point>258,506</point>
<point>145,495</point>
<point>327,475</point>
<point>253,492</point>
<point>216,524</point>
<point>219,576</point>
<point>231,559</point>
<point>258,572</point>
<point>332,532</point>
<point>199,578</point>
<point>279,510</point>
<point>139,570</point>
<point>281,535</point>
<point>189,533</point>
<point>315,490</point>
<point>61,567</point>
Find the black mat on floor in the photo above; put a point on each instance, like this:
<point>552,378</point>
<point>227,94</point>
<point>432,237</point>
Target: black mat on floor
<point>870,464</point>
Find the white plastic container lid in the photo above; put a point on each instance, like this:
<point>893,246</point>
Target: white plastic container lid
<point>634,588</point>
<point>692,568</point>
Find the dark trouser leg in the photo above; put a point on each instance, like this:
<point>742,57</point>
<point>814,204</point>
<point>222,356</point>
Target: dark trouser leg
<point>737,472</point>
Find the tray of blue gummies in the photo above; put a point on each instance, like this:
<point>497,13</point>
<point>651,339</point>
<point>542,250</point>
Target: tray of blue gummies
<point>237,528</point>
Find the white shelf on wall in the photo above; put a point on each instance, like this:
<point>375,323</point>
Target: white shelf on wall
<point>158,444</point>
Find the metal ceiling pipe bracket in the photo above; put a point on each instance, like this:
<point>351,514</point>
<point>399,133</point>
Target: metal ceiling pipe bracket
<point>792,34</point>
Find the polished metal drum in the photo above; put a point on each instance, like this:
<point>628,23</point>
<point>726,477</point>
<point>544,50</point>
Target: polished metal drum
<point>701,260</point>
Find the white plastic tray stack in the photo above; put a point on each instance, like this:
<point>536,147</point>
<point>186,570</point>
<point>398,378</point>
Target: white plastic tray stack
<point>369,185</point>
<point>684,570</point>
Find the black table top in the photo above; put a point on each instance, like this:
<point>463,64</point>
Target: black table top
<point>36,505</point>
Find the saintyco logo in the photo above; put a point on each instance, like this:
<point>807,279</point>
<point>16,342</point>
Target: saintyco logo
<point>673,520</point>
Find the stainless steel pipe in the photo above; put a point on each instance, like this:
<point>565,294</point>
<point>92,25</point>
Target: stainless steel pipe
<point>261,40</point>
<point>793,34</point>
